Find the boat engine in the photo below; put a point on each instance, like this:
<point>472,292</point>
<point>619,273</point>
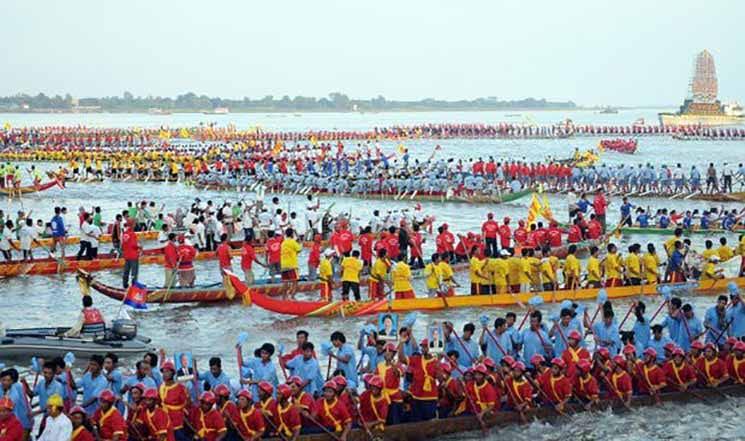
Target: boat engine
<point>124,329</point>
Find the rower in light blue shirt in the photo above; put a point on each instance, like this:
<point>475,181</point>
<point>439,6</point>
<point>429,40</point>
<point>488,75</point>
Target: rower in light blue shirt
<point>306,367</point>
<point>641,328</point>
<point>658,342</point>
<point>465,344</point>
<point>736,314</point>
<point>690,327</point>
<point>534,339</point>
<point>93,383</point>
<point>503,341</point>
<point>16,393</point>
<point>215,375</point>
<point>715,320</point>
<point>259,368</point>
<point>606,333</point>
<point>48,386</point>
<point>669,322</point>
<point>345,358</point>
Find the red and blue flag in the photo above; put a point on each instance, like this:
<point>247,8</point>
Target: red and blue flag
<point>136,296</point>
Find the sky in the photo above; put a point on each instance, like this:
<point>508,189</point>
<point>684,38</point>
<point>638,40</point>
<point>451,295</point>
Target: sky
<point>631,53</point>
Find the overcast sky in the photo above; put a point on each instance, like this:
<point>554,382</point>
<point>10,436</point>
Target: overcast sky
<point>593,52</point>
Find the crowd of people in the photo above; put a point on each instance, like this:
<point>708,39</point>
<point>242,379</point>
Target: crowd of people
<point>575,358</point>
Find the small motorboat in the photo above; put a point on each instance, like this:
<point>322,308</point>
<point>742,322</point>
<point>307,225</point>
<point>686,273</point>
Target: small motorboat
<point>122,339</point>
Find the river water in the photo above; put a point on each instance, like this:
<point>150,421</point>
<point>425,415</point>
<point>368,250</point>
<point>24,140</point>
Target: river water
<point>211,330</point>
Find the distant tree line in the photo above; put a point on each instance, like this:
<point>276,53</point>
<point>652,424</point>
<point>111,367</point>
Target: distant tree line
<point>335,102</point>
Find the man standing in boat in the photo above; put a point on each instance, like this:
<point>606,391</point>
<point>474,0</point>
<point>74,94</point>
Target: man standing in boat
<point>131,250</point>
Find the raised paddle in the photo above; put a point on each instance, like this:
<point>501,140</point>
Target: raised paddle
<point>242,338</point>
<point>533,302</point>
<point>600,300</point>
<point>326,351</point>
<point>667,295</point>
<point>631,308</point>
<point>281,352</point>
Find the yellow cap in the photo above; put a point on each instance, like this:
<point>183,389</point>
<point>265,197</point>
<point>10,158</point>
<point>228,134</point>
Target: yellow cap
<point>55,400</point>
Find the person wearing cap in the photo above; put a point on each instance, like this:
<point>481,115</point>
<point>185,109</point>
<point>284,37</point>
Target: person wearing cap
<point>484,397</point>
<point>373,405</point>
<point>586,387</point>
<point>267,404</point>
<point>80,425</point>
<point>331,413</point>
<point>736,362</point>
<point>174,397</point>
<point>451,395</point>
<point>288,415</point>
<point>651,378</point>
<point>715,320</point>
<point>11,428</point>
<point>573,353</point>
<point>505,234</point>
<point>422,372</point>
<point>207,422</point>
<point>622,384</point>
<point>186,255</point>
<point>259,368</point>
<point>519,390</point>
<point>227,408</point>
<point>108,421</point>
<point>556,387</point>
<point>135,408</point>
<point>56,424</point>
<point>250,423</point>
<point>156,419</point>
<point>679,373</point>
<point>301,399</point>
<point>712,371</point>
<point>391,372</point>
<point>305,366</point>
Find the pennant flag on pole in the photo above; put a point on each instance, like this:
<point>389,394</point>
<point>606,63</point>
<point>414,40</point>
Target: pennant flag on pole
<point>546,212</point>
<point>136,296</point>
<point>533,210</point>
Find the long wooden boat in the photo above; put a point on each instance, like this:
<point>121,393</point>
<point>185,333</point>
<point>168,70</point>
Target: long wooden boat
<point>15,191</point>
<point>105,261</point>
<point>215,292</point>
<point>433,429</point>
<point>670,231</point>
<point>349,308</point>
<point>104,238</point>
<point>394,196</point>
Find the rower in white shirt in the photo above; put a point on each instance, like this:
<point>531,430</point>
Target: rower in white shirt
<point>57,426</point>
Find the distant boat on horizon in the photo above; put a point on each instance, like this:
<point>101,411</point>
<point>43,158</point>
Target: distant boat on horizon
<point>217,111</point>
<point>608,110</point>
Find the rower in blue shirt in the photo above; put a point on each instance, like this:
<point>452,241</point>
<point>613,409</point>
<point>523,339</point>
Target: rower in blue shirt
<point>93,383</point>
<point>306,366</point>
<point>58,231</point>
<point>47,387</point>
<point>688,220</point>
<point>670,322</point>
<point>142,375</point>
<point>658,342</point>
<point>736,313</point>
<point>664,220</point>
<point>690,328</point>
<point>534,340</point>
<point>561,329</point>
<point>715,320</point>
<point>345,358</point>
<point>642,218</point>
<point>466,345</point>
<point>215,375</point>
<point>503,339</point>
<point>641,328</point>
<point>11,388</point>
<point>260,368</point>
<point>605,332</point>
<point>626,212</point>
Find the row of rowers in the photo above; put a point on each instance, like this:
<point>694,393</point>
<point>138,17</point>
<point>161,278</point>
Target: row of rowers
<point>443,375</point>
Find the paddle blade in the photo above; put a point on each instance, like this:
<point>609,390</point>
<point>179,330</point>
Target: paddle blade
<point>368,329</point>
<point>484,320</point>
<point>602,296</point>
<point>666,292</point>
<point>732,288</point>
<point>69,358</point>
<point>325,349</point>
<point>281,348</point>
<point>565,304</point>
<point>35,365</point>
<point>242,338</point>
<point>410,319</point>
<point>535,301</point>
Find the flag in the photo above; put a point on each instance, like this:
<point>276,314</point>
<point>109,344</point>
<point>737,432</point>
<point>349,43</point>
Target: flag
<point>164,134</point>
<point>238,286</point>
<point>533,210</point>
<point>183,133</point>
<point>546,212</point>
<point>401,149</point>
<point>136,296</point>
<point>6,126</point>
<point>313,140</point>
<point>277,147</point>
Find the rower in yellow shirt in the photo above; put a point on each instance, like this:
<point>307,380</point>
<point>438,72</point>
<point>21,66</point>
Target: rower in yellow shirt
<point>572,269</point>
<point>447,277</point>
<point>711,271</point>
<point>525,271</point>
<point>351,267</point>
<point>633,265</point>
<point>594,276</point>
<point>612,267</point>
<point>670,243</point>
<point>401,276</point>
<point>535,270</point>
<point>432,277</point>
<point>725,251</point>
<point>378,275</point>
<point>651,264</point>
<point>514,271</point>
<point>548,274</point>
<point>480,282</point>
<point>498,270</point>
<point>289,251</point>
<point>326,274</point>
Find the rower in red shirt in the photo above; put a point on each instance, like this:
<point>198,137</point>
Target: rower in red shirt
<point>302,400</point>
<point>490,231</point>
<point>557,388</point>
<point>374,405</point>
<point>343,394</point>
<point>519,390</point>
<point>621,386</point>
<point>574,233</point>
<point>248,258</point>
<point>170,253</point>
<point>79,430</point>
<point>422,370</point>
<point>206,420</point>
<point>451,394</point>
<point>331,413</point>
<point>174,396</point>
<point>652,379</point>
<point>365,243</point>
<point>342,239</point>
<point>250,423</point>
<point>521,234</point>
<point>108,420</point>
<point>10,427</point>
<point>273,253</point>
<point>736,362</point>
<point>268,405</point>
<point>594,228</point>
<point>131,250</point>
<point>155,418</point>
<point>391,244</point>
<point>186,255</point>
<point>483,396</point>
<point>288,415</point>
<point>574,353</point>
<point>227,408</point>
<point>391,372</point>
<point>585,385</point>
<point>415,242</point>
<point>680,375</point>
<point>553,235</point>
<point>711,368</point>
